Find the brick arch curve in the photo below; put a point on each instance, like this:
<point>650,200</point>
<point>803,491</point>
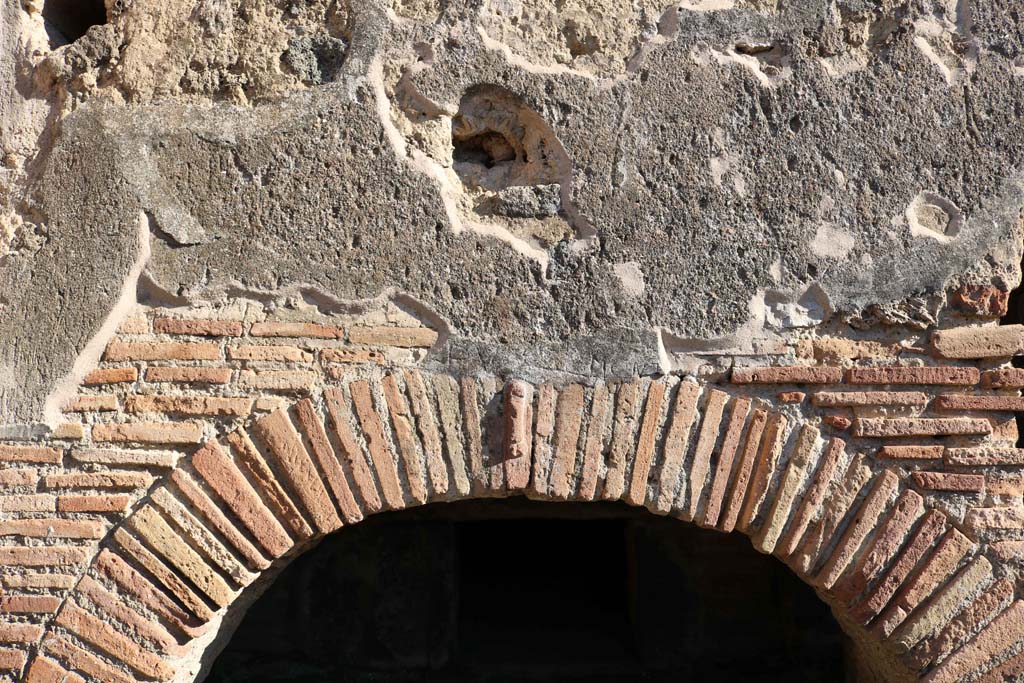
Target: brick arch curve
<point>391,440</point>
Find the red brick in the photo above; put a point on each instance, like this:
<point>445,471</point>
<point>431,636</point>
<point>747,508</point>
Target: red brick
<point>734,500</point>
<point>97,503</point>
<point>883,548</point>
<point>684,411</point>
<point>380,451</point>
<point>726,456</point>
<point>90,403</point>
<point>163,573</point>
<point>122,351</point>
<point>1010,670</point>
<point>116,607</point>
<point>149,432</point>
<point>45,670</point>
<point>1003,378</point>
<point>217,469</point>
<point>12,660</point>
<point>518,438</point>
<point>103,636</point>
<point>860,527</point>
<point>854,399</point>
<point>446,391</point>
<point>624,425</point>
<point>39,579</point>
<point>914,375</point>
<point>919,545</point>
<point>18,477</point>
<point>200,503</point>
<point>111,376</point>
<point>340,417</point>
<point>268,484</point>
<point>116,569</point>
<point>142,458</point>
<point>813,498</point>
<point>951,550</point>
<point>979,342</point>
<point>80,660</point>
<point>356,356</point>
<point>29,604</point>
<point>985,455</point>
<point>189,405</point>
<point>427,426</point>
<point>189,375</point>
<point>983,519</point>
<point>568,420</point>
<point>837,422</point>
<point>408,445</point>
<point>976,613</point>
<point>293,329</point>
<point>795,374</point>
<point>473,435</point>
<point>881,427</point>
<point>280,354</point>
<point>198,328</point>
<point>277,380</point>
<point>965,402</point>
<point>1002,633</point>
<point>52,528</point>
<point>38,454</point>
<point>98,480</point>
<point>27,502</point>
<point>404,337</point>
<point>20,633</point>
<point>318,443</point>
<point>988,301</point>
<point>278,433</point>
<point>772,443</point>
<point>791,396</point>
<point>949,481</point>
<point>911,452</point>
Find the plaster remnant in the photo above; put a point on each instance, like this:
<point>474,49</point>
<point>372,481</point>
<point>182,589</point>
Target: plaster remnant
<point>832,242</point>
<point>631,278</point>
<point>930,215</point>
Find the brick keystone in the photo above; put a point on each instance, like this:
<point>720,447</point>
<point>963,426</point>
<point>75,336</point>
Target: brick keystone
<point>921,426</point>
<point>979,342</point>
<point>914,375</point>
<point>794,374</point>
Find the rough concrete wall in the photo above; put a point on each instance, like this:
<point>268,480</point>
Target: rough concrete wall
<point>633,187</point>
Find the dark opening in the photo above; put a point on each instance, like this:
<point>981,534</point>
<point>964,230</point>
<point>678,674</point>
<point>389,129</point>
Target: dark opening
<point>68,20</point>
<point>487,149</point>
<point>494,592</point>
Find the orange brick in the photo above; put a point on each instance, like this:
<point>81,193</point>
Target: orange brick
<point>163,573</point>
<point>568,417</point>
<point>948,481</point>
<point>726,455</point>
<point>41,556</point>
<point>684,411</point>
<point>377,444</point>
<point>352,356</point>
<point>52,528</point>
<point>39,454</point>
<point>149,432</point>
<point>114,605</point>
<point>290,329</point>
<point>791,396</point>
<point>26,502</point>
<point>340,419</point>
<point>142,458</point>
<point>189,375</point>
<point>277,380</point>
<point>188,405</point>
<point>706,440</point>
<point>11,659</point>
<point>279,354</point>
<point>795,374</point>
<point>318,443</point>
<point>1003,633</point>
<point>80,660</point>
<point>71,431</point>
<point>911,452</point>
<point>103,636</point>
<point>45,670</point>
<point>813,498</point>
<point>98,480</point>
<point>839,423</point>
<point>965,402</point>
<point>20,633</point>
<point>985,455</point>
<point>29,604</point>
<point>122,351</point>
<point>100,503</point>
<point>914,375</point>
<point>268,483</point>
<point>198,328</point>
<point>854,399</point>
<point>82,404</point>
<point>18,477</point>
<point>1003,378</point>
<point>744,469</point>
<point>880,427</point>
<point>987,301</point>
<point>403,337</point>
<point>979,342</point>
<point>983,519</point>
<point>408,444</point>
<point>111,376</point>
<point>40,580</point>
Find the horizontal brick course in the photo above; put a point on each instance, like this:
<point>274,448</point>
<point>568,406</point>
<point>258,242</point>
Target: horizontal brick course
<point>279,380</point>
<point>189,375</point>
<point>98,480</point>
<point>189,405</point>
<point>34,454</point>
<point>129,351</point>
<point>911,452</point>
<point>42,556</point>
<point>352,356</point>
<point>922,426</point>
<point>198,328</point>
<point>95,503</point>
<point>82,404</point>
<point>961,402</point>
<point>20,633</point>
<point>852,399</point>
<point>12,659</point>
<point>914,375</point>
<point>269,353</point>
<point>53,528</point>
<point>979,342</point>
<point>18,477</point>
<point>291,329</point>
<point>107,456</point>
<point>103,636</point>
<point>949,481</point>
<point>796,374</point>
<point>985,455</point>
<point>29,604</point>
<point>28,502</point>
<point>149,432</point>
<point>111,376</point>
<point>404,337</point>
<point>1003,378</point>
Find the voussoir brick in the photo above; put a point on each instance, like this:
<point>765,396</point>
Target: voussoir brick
<point>1002,633</point>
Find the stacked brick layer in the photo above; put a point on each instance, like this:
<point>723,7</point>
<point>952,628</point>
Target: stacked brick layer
<point>202,451</point>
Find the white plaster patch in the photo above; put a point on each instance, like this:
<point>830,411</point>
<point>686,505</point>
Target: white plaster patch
<point>631,278</point>
<point>832,242</point>
<point>935,217</point>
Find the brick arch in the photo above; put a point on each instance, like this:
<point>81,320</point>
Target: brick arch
<point>204,451</point>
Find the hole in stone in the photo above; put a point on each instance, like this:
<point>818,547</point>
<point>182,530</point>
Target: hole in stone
<point>515,590</point>
<point>68,20</point>
<point>488,149</point>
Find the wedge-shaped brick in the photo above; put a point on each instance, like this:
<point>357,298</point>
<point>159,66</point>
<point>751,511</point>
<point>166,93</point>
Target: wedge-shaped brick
<point>801,460</point>
<point>430,437</point>
<point>744,470</point>
<point>677,438</point>
<point>317,443</point>
<point>646,443</point>
<point>473,436</point>
<point>624,426</point>
<point>568,419</point>
<point>813,499</point>
<point>768,455</point>
<point>598,434</point>
<point>1004,633</point>
<point>518,446</point>
<point>380,449</point>
<point>115,607</point>
<point>74,657</point>
<point>405,435</point>
<point>451,425</point>
<point>340,420</point>
<point>119,647</point>
<point>726,456</point>
<point>166,576</point>
<point>701,465</point>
